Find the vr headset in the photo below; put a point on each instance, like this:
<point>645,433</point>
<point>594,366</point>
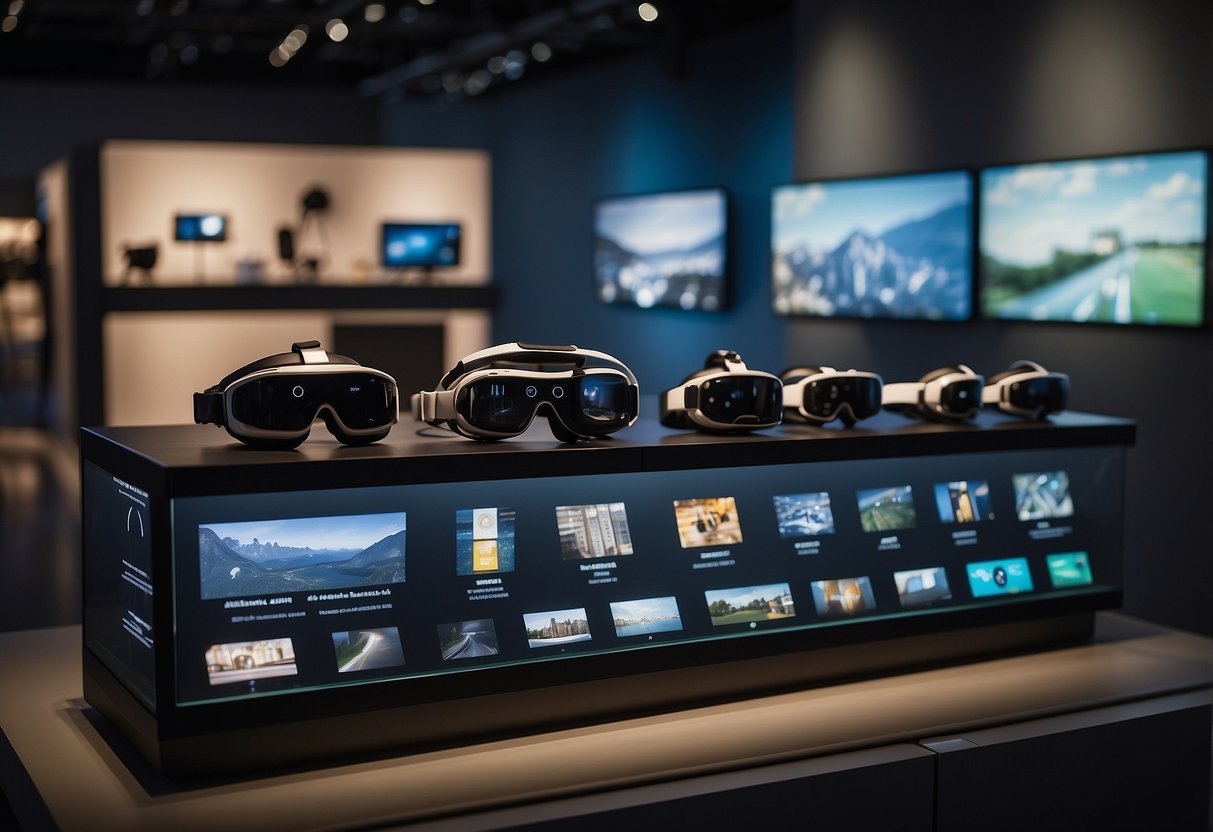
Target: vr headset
<point>272,403</point>
<point>496,393</point>
<point>822,394</point>
<point>1028,390</point>
<point>949,394</point>
<point>725,395</point>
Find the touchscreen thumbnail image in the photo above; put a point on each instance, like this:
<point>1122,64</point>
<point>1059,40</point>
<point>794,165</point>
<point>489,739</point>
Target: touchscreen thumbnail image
<point>886,509</point>
<point>804,515</point>
<point>468,639</point>
<point>843,596</point>
<point>368,649</point>
<point>300,554</point>
<point>1042,495</point>
<point>707,522</point>
<point>963,501</point>
<point>999,577</point>
<point>750,604</point>
<point>548,629</point>
<point>249,661</point>
<point>646,616</point>
<point>1069,569</point>
<point>484,540</point>
<point>922,587</point>
<point>599,530</point>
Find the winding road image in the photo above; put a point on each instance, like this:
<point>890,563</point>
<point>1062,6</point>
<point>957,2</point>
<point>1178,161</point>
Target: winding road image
<point>381,650</point>
<point>1103,292</point>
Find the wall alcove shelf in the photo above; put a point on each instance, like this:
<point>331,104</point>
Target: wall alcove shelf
<point>205,298</point>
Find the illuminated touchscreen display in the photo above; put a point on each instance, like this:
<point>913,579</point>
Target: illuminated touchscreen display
<point>275,593</point>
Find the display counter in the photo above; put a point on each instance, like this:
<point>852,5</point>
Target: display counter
<point>878,753</point>
<point>248,609</point>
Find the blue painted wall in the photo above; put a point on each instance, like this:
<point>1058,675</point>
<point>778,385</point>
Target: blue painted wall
<point>629,127</point>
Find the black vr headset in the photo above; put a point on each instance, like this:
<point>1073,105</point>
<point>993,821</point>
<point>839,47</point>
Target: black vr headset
<point>822,394</point>
<point>272,402</point>
<point>1028,390</point>
<point>496,393</point>
<point>725,395</point>
<point>949,394</point>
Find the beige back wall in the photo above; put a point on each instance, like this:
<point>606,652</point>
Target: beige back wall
<point>259,187</point>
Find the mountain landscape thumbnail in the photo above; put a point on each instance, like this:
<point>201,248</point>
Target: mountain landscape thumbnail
<point>230,569</point>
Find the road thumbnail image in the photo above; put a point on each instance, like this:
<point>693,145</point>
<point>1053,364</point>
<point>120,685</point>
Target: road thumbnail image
<point>593,531</point>
<point>711,521</point>
<point>484,540</point>
<point>750,604</point>
<point>249,661</point>
<point>843,597</point>
<point>468,639</point>
<point>963,501</point>
<point>804,515</point>
<point>1042,495</point>
<point>557,627</point>
<point>370,649</point>
<point>646,616</point>
<point>886,509</point>
<point>922,587</point>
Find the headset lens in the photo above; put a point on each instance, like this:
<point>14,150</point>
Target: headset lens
<point>290,403</point>
<point>606,399</point>
<point>1047,394</point>
<point>742,400</point>
<point>499,404</point>
<point>823,399</point>
<point>961,398</point>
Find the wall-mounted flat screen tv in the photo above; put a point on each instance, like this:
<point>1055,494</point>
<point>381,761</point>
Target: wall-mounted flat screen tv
<point>200,228</point>
<point>425,245</point>
<point>882,247</point>
<point>1115,240</point>
<point>666,249</point>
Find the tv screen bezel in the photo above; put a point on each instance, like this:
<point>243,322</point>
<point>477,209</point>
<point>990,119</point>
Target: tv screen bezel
<point>726,269</point>
<point>972,173</point>
<point>1205,308</point>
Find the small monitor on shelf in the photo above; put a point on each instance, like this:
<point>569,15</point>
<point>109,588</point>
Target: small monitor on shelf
<point>200,228</point>
<point>420,245</point>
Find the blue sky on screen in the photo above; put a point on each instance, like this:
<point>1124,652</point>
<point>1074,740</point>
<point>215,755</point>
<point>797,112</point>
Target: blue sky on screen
<point>661,222</point>
<point>1028,211</point>
<point>353,531</point>
<point>821,215</point>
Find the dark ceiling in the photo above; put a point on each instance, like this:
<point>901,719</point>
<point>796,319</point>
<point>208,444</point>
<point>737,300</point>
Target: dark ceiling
<point>450,48</point>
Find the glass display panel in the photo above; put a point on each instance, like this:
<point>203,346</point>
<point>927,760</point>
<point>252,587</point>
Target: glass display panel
<point>667,249</point>
<point>1116,240</point>
<point>342,587</point>
<point>419,244</point>
<point>887,247</point>
<point>200,228</point>
<point>118,596</point>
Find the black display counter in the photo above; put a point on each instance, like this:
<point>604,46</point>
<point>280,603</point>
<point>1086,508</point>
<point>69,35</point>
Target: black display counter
<point>247,609</point>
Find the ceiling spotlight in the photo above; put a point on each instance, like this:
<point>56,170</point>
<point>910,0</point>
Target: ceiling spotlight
<point>426,2</point>
<point>647,12</point>
<point>9,23</point>
<point>15,7</point>
<point>276,59</point>
<point>541,52</point>
<point>336,30</point>
<point>374,12</point>
<point>496,64</point>
<point>477,82</point>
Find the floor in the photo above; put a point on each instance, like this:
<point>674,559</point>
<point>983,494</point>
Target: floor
<point>40,573</point>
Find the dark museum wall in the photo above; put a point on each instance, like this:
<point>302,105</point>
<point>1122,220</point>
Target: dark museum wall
<point>883,87</point>
<point>44,121</point>
<point>721,119</point>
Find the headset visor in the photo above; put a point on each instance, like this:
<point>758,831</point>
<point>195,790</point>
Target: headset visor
<point>825,398</point>
<point>594,404</point>
<point>961,398</point>
<point>290,402</point>
<point>1044,394</point>
<point>742,399</point>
